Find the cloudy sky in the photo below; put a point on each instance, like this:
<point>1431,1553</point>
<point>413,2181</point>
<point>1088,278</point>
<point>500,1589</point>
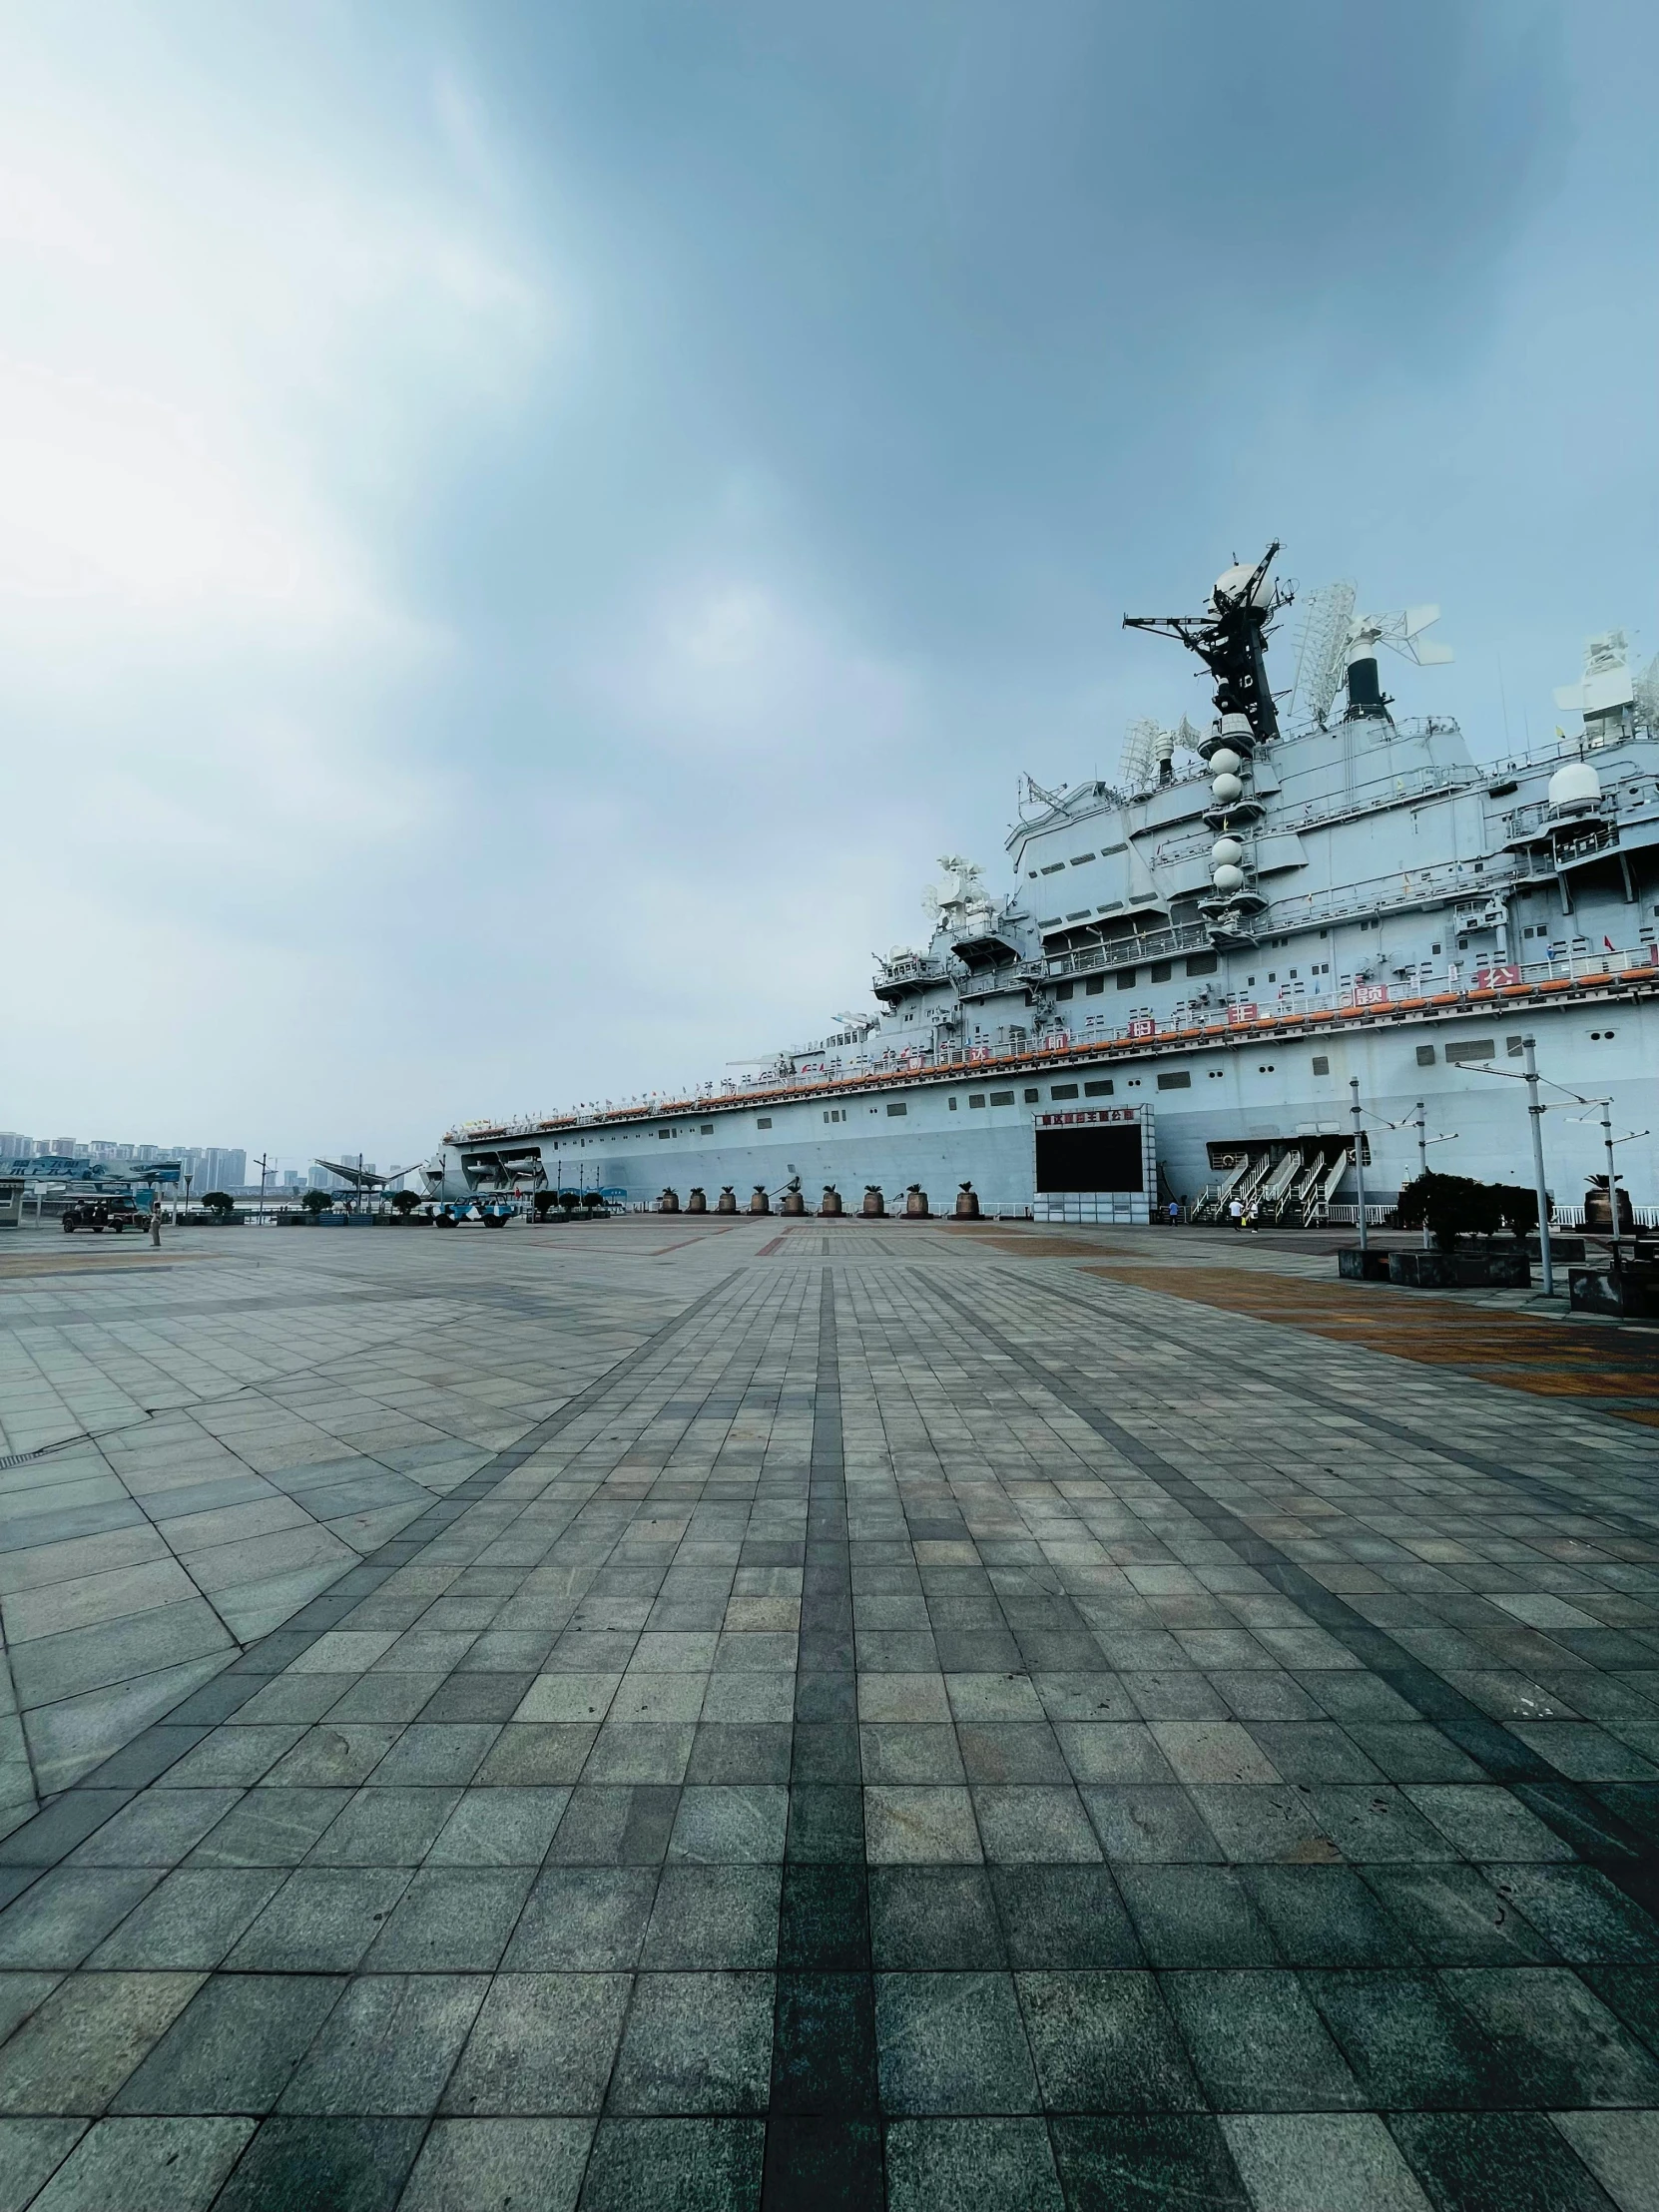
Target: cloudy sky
<point>525,528</point>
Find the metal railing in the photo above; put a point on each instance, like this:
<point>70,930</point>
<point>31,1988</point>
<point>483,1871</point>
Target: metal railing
<point>1130,952</point>
<point>1463,986</point>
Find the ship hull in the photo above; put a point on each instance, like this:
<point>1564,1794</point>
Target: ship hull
<point>1207,1102</point>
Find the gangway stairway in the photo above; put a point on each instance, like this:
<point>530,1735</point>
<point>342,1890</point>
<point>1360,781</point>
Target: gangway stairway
<point>1313,1209</point>
<point>1277,1187</point>
<point>1211,1202</point>
<point>1314,1173</point>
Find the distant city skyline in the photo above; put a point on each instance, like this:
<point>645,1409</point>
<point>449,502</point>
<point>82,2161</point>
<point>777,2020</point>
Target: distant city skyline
<point>209,1167</point>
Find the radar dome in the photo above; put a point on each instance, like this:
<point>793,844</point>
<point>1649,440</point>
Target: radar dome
<point>1226,852</point>
<point>1228,880</point>
<point>1575,789</point>
<point>1228,791</point>
<point>1225,762</point>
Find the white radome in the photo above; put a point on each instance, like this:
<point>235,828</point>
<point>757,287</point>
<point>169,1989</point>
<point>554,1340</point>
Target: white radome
<point>1226,852</point>
<point>1225,762</point>
<point>1228,791</point>
<point>1228,880</point>
<point>1573,790</point>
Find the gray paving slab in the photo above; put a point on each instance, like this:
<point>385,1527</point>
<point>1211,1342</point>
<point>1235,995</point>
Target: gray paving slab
<point>595,1723</point>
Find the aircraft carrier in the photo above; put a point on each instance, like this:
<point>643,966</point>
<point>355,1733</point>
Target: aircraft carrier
<point>1190,968</point>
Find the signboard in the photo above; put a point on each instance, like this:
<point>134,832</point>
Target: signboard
<point>979,1052</point>
<point>1495,979</point>
<point>1239,1015</point>
<point>1088,1114</point>
<point>1143,1025</point>
<point>1370,994</point>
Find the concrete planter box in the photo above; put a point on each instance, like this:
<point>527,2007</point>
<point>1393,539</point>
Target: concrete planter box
<point>1354,1265</point>
<point>1630,1293</point>
<point>1561,1249</point>
<point>1424,1270</point>
<point>1505,1270</point>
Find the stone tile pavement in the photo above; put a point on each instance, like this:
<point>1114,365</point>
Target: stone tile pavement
<point>834,1718</point>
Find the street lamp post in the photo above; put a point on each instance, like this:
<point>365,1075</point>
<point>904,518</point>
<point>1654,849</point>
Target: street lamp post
<point>1612,1179</point>
<point>1535,1109</point>
<point>1422,1158</point>
<point>1358,1157</point>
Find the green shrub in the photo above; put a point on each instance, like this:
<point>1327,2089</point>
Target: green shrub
<point>1450,1206</point>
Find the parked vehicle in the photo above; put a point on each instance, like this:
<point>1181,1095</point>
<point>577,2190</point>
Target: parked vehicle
<point>98,1214</point>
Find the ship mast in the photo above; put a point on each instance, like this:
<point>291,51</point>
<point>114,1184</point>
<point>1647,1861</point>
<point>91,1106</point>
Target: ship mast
<point>1229,638</point>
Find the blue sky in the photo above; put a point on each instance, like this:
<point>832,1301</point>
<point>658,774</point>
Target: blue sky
<point>524,529</point>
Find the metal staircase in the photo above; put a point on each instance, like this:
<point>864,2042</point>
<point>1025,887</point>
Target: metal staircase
<point>1331,1182</point>
<point>1276,1188</point>
<point>1213,1198</point>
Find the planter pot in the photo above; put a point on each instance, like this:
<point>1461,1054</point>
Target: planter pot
<point>1354,1265</point>
<point>1624,1294</point>
<point>1424,1270</point>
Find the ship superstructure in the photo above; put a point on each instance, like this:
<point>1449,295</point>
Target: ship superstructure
<point>1259,912</point>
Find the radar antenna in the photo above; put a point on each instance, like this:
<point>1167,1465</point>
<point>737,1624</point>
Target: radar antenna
<point>1321,648</point>
<point>1646,690</point>
<point>1402,632</point>
<point>1229,638</point>
<point>1139,761</point>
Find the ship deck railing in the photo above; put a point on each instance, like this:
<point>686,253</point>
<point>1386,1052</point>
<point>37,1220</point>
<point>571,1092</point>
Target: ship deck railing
<point>1464,987</point>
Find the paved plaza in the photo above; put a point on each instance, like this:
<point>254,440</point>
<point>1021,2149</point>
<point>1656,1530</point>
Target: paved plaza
<point>697,1715</point>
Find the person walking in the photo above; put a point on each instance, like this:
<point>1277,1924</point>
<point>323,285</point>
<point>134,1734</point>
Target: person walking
<point>1236,1213</point>
<point>155,1223</point>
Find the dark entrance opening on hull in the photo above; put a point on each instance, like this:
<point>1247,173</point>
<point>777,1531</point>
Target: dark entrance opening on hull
<point>1097,1159</point>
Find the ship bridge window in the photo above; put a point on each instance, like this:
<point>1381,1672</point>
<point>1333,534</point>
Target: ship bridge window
<point>976,1098</point>
<point>1062,1090</point>
<point>1513,1046</point>
<point>1003,1098</point>
<point>1079,860</point>
<point>763,1121</point>
<point>1425,1055</point>
<point>1094,986</point>
<point>665,1132</point>
<point>1064,990</point>
<point>1055,868</point>
<point>1180,1081</point>
<point>1126,979</point>
<point>1097,1090</point>
<point>1321,1063</point>
<point>705,1128</point>
<point>1202,963</point>
<point>1033,1096</point>
<point>898,1106</point>
<point>1473,1048</point>
<point>1162,970</point>
<point>1107,851</point>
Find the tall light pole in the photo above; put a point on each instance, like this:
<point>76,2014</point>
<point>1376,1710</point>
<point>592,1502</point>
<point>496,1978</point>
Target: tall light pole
<point>1612,1179</point>
<point>1422,1158</point>
<point>265,1167</point>
<point>1358,1157</point>
<point>1530,1062</point>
